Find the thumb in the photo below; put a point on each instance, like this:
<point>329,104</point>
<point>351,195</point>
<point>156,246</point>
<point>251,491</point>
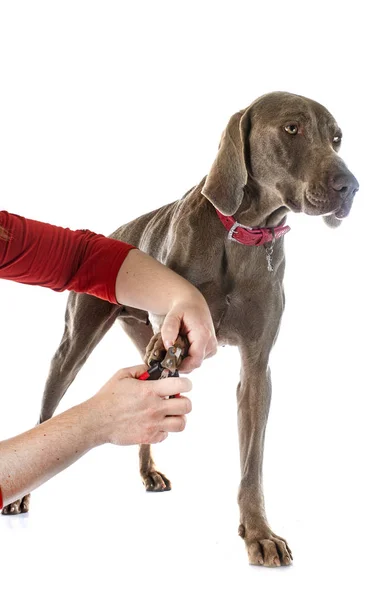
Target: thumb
<point>170,329</point>
<point>132,372</point>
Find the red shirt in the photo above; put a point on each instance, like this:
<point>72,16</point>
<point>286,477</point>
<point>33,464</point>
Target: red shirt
<point>60,259</point>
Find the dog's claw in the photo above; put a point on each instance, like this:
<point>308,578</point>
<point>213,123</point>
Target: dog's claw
<point>156,349</point>
<point>17,507</point>
<point>266,549</point>
<point>154,481</point>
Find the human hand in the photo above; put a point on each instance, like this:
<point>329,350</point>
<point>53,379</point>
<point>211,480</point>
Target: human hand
<point>145,283</point>
<point>190,316</point>
<point>126,411</point>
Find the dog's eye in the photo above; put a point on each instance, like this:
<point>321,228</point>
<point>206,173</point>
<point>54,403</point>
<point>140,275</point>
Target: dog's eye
<point>337,139</point>
<point>292,128</point>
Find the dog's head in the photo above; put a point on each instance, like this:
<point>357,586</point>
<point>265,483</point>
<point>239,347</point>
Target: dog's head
<point>286,145</point>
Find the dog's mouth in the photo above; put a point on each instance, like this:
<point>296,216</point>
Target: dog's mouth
<point>335,218</point>
<point>314,205</point>
<point>322,204</point>
<point>310,205</point>
<point>293,205</point>
<point>344,210</point>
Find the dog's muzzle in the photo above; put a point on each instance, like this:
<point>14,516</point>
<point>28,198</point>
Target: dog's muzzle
<point>341,191</point>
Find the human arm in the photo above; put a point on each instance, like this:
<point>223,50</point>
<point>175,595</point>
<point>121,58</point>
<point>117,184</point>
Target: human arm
<point>145,283</point>
<point>125,411</point>
<point>43,254</point>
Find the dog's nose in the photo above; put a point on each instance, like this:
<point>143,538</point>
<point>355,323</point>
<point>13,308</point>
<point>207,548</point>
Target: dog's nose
<point>345,184</point>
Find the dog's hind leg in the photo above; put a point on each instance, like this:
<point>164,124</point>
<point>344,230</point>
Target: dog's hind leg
<point>141,334</point>
<point>87,319</point>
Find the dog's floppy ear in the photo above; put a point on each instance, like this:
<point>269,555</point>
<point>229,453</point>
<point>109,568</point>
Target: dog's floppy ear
<point>228,175</point>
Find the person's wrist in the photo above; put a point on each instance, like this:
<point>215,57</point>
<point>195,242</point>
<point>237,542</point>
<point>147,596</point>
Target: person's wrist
<point>189,296</point>
<point>92,422</point>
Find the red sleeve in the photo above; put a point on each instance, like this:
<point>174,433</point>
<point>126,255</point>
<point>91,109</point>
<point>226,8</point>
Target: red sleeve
<point>60,259</point>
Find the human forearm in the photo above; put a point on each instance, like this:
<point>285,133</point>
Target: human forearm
<point>145,283</point>
<point>124,411</point>
<point>30,459</point>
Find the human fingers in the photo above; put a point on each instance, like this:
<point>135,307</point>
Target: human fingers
<point>199,338</point>
<point>170,329</point>
<point>212,347</point>
<point>176,406</point>
<point>158,437</point>
<point>170,386</point>
<point>174,424</point>
<point>132,372</point>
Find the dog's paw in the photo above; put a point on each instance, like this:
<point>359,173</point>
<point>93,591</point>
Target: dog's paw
<point>154,481</point>
<point>156,350</point>
<point>265,548</point>
<point>17,507</point>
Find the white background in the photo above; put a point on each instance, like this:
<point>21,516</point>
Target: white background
<point>109,110</point>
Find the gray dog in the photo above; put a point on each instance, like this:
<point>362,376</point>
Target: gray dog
<point>226,237</point>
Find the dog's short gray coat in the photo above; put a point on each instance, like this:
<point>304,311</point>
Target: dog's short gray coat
<point>276,156</point>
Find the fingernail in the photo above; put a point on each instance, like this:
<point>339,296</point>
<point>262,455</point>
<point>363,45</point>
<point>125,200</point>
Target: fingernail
<point>168,344</point>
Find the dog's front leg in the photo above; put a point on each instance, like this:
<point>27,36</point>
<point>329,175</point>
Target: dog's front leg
<point>254,395</point>
<point>154,480</point>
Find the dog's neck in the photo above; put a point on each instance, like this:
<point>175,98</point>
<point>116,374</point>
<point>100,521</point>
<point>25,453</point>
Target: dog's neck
<point>260,208</point>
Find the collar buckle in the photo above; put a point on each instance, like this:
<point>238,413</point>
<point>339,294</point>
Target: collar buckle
<point>231,232</point>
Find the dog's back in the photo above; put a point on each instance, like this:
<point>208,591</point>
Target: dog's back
<point>276,156</point>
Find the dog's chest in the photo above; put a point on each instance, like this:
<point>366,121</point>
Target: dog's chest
<point>245,306</point>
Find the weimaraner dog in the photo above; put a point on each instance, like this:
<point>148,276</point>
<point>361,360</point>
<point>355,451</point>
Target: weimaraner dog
<point>226,237</point>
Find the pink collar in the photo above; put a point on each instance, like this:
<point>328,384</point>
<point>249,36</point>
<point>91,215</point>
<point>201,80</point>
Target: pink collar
<point>251,236</point>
